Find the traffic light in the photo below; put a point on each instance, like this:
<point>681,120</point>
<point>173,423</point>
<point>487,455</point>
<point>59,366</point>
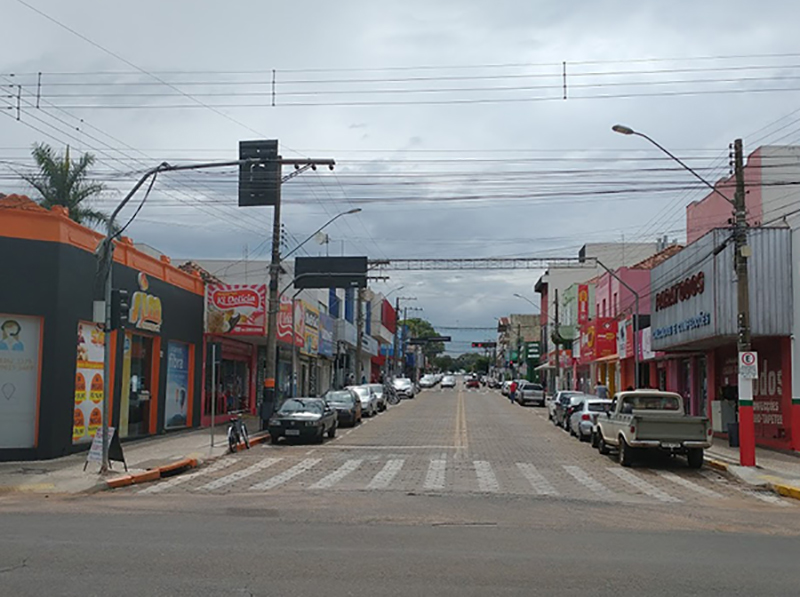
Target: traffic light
<point>484,344</point>
<point>120,307</point>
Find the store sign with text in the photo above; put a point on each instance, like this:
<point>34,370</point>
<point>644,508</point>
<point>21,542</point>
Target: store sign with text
<point>310,329</point>
<point>285,322</point>
<point>145,311</point>
<point>236,309</point>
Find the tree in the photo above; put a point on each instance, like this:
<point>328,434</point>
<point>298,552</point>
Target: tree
<point>64,182</point>
<point>421,328</point>
<point>443,362</point>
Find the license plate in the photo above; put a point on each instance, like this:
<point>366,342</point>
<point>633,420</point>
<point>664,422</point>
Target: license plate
<point>670,445</point>
<point>292,432</point>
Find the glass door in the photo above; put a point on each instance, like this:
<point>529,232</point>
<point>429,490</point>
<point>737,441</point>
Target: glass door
<point>139,384</point>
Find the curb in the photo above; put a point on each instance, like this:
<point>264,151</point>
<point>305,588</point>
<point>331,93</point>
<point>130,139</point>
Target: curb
<point>789,491</point>
<point>716,464</point>
<point>173,468</point>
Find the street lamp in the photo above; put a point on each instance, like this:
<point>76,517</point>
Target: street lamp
<point>747,446</point>
<point>320,229</point>
<point>388,294</point>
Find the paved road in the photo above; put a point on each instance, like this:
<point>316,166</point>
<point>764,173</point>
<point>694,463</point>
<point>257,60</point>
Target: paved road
<point>453,493</point>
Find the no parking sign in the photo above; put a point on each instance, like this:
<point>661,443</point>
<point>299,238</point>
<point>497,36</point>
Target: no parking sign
<point>748,365</point>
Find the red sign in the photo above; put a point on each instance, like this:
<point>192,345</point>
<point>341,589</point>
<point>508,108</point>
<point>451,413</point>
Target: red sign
<point>388,316</point>
<point>587,343</point>
<point>583,303</point>
<point>605,343</point>
<point>285,322</point>
<point>236,310</point>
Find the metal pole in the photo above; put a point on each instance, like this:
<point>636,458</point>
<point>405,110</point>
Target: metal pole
<point>359,332</point>
<point>395,346</point>
<point>271,369</point>
<point>213,389</point>
<point>747,443</point>
<point>403,347</point>
<point>293,381</point>
<point>558,354</point>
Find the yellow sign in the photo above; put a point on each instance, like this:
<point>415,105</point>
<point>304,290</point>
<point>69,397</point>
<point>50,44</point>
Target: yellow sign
<point>145,313</point>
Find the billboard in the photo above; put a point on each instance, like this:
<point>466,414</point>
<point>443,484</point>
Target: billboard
<point>583,304</point>
<point>87,416</point>
<point>330,272</point>
<point>236,309</point>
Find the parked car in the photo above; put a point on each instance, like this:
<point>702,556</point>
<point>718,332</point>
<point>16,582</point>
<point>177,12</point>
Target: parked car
<point>530,393</point>
<point>584,416</point>
<point>369,402</point>
<point>473,382</point>
<point>641,420</point>
<point>346,404</point>
<point>303,418</point>
<point>427,381</point>
<point>404,387</point>
<point>561,404</point>
<point>377,389</point>
<point>504,387</point>
<point>448,381</point>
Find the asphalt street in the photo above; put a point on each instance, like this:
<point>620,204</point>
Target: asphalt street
<point>452,493</point>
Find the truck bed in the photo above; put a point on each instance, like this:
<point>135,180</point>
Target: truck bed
<point>670,428</point>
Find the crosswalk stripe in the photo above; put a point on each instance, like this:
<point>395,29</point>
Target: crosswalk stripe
<point>337,475</point>
<point>643,485</point>
<point>669,476</point>
<point>238,475</point>
<point>434,478</point>
<point>179,479</point>
<point>537,480</point>
<point>487,481</point>
<point>287,475</point>
<point>386,475</point>
<point>582,477</point>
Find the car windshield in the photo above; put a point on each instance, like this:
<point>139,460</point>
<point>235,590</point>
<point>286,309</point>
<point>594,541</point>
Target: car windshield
<point>376,388</point>
<point>340,397</point>
<point>361,391</point>
<point>655,402</point>
<point>298,405</point>
<point>402,382</point>
<point>598,407</point>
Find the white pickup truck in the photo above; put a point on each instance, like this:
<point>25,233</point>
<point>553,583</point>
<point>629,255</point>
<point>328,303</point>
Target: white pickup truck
<point>651,420</point>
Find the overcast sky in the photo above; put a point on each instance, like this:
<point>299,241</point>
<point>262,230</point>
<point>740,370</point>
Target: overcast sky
<point>447,120</point>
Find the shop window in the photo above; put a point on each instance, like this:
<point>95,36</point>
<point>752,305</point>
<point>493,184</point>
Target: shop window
<point>334,304</point>
<point>137,385</point>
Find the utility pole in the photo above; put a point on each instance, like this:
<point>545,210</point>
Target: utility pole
<point>747,443</point>
<point>395,346</point>
<point>359,332</point>
<point>558,349</point>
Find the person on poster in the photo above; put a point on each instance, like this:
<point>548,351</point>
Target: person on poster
<point>11,330</point>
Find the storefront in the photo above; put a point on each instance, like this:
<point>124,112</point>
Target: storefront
<point>326,352</point>
<point>346,336</point>
<point>52,355</point>
<point>694,322</point>
<point>309,370</point>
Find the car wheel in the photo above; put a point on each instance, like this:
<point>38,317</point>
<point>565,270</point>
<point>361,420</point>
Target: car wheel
<point>694,457</point>
<point>273,439</point>
<point>602,447</point>
<point>332,431</point>
<point>321,437</point>
<point>625,452</point>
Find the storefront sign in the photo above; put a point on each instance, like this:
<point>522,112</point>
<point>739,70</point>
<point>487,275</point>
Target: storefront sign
<point>177,398</point>
<point>326,343</point>
<point>583,304</point>
<point>238,309</point>
<point>605,343</point>
<point>646,344</point>
<point>310,329</point>
<point>89,383</point>
<point>369,345</point>
<point>587,342</point>
<point>145,312</point>
<point>700,320</point>
<point>625,338</point>
<point>19,380</point>
<point>682,291</point>
<point>285,322</point>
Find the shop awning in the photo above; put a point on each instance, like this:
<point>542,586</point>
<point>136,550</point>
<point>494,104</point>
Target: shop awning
<point>612,358</point>
<point>544,367</point>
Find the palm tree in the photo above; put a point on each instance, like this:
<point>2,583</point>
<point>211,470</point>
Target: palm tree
<point>61,181</point>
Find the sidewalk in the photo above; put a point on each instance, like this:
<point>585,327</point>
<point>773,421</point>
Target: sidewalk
<point>147,459</point>
<point>775,470</point>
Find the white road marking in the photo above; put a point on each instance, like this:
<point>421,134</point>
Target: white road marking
<point>540,485</point>
<point>643,485</point>
<point>242,474</point>
<point>434,479</point>
<point>759,495</point>
<point>582,477</point>
<point>704,491</point>
<point>287,475</point>
<point>386,475</point>
<point>337,475</point>
<point>487,480</point>
<point>177,480</point>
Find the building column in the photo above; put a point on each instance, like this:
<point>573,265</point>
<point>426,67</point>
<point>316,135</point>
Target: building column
<point>789,366</point>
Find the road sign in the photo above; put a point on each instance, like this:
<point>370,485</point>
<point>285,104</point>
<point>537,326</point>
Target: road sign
<point>330,272</point>
<point>748,365</point>
<point>421,341</point>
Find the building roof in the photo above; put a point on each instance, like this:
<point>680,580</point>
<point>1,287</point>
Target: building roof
<point>190,267</point>
<point>658,258</point>
<point>19,202</point>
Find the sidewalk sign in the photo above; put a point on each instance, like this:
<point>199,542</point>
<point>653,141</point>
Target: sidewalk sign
<point>748,365</point>
<point>114,449</point>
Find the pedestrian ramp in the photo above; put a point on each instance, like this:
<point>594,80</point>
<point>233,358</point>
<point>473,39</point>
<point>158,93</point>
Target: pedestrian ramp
<point>443,473</point>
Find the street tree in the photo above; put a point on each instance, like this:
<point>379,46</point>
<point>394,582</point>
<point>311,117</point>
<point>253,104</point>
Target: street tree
<point>65,182</point>
<point>421,328</point>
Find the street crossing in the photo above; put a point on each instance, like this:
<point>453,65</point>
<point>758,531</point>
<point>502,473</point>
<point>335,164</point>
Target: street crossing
<point>442,473</point>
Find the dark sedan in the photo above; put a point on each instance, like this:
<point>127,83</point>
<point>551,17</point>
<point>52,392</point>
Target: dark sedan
<point>303,418</point>
<point>346,404</point>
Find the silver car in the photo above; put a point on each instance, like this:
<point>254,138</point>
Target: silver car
<point>584,417</point>
<point>377,389</point>
<point>369,402</point>
<point>404,387</point>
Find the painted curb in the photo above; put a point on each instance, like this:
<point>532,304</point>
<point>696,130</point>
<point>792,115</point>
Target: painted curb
<point>174,468</point>
<point>716,464</point>
<point>785,490</point>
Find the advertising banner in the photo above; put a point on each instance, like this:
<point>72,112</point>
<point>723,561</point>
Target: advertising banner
<point>326,345</point>
<point>236,309</point>
<point>285,322</point>
<point>19,380</point>
<point>89,382</point>
<point>310,329</point>
<point>605,338</point>
<point>587,343</point>
<point>177,398</point>
<point>583,304</point>
<point>625,338</point>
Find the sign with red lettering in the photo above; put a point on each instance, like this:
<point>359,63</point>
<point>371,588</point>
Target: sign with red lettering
<point>236,309</point>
